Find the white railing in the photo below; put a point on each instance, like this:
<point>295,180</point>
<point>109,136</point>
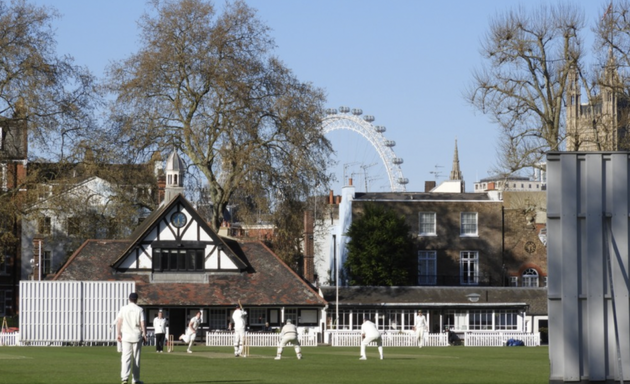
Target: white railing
<point>256,339</point>
<point>408,339</point>
<point>499,339</point>
<point>390,339</point>
<point>9,339</point>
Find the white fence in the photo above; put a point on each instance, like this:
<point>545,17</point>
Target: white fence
<point>390,339</point>
<point>471,339</point>
<point>54,312</point>
<point>9,339</point>
<point>499,339</point>
<point>256,339</point>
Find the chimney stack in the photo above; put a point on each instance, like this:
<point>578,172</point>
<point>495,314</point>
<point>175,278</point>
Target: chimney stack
<point>309,248</point>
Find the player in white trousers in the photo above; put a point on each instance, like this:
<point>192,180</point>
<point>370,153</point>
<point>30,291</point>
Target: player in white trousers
<point>420,325</point>
<point>239,319</point>
<point>289,334</point>
<point>191,331</point>
<point>131,332</point>
<point>370,333</point>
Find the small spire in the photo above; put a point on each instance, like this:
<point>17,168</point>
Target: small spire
<point>456,173</point>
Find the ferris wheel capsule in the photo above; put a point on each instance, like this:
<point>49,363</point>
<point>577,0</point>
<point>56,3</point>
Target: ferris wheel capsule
<point>343,109</point>
<point>357,111</point>
<point>397,160</point>
<point>331,111</point>
<point>380,129</point>
<point>368,118</point>
<point>390,143</point>
<point>403,181</point>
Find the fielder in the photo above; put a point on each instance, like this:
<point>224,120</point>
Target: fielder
<point>289,334</point>
<point>239,318</point>
<point>191,332</point>
<point>370,333</point>
<point>420,325</point>
<point>132,333</point>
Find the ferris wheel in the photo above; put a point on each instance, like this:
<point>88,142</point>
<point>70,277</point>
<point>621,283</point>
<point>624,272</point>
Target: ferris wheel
<point>348,119</point>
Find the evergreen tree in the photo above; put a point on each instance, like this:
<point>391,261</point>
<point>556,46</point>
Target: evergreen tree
<point>380,252</point>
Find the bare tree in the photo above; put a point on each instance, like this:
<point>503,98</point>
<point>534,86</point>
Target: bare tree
<point>207,84</point>
<point>528,58</point>
<point>54,96</point>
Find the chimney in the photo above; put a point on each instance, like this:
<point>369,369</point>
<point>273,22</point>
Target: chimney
<point>309,248</point>
<point>429,185</point>
<point>331,198</point>
<point>491,186</point>
<point>350,181</point>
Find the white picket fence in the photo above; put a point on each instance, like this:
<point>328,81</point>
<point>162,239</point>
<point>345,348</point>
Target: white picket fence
<point>408,339</point>
<point>338,339</point>
<point>499,339</point>
<point>390,339</point>
<point>9,339</point>
<point>256,339</point>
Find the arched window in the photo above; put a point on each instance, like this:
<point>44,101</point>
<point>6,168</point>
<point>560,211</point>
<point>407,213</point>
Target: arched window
<point>530,278</point>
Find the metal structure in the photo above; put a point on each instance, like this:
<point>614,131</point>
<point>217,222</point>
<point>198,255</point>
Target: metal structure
<point>351,120</point>
<point>588,228</point>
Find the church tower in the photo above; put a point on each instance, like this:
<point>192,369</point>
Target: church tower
<point>174,170</point>
<point>601,124</point>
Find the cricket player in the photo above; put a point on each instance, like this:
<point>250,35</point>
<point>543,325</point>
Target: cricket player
<point>131,332</point>
<point>289,334</point>
<point>420,325</point>
<point>191,332</point>
<point>239,317</point>
<point>370,333</point>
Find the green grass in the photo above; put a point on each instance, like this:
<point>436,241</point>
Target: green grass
<point>457,365</point>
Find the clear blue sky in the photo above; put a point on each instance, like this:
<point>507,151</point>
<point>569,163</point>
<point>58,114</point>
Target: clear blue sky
<point>406,62</point>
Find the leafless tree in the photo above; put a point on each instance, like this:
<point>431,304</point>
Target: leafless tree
<point>206,83</point>
<point>52,94</point>
<point>528,58</point>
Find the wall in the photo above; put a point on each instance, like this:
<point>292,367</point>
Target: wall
<point>448,242</point>
<point>588,226</point>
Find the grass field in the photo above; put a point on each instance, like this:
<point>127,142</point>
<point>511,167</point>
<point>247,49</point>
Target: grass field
<point>457,365</point>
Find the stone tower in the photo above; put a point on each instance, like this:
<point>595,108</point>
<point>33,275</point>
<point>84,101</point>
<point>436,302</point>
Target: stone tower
<point>175,170</point>
<point>602,124</point>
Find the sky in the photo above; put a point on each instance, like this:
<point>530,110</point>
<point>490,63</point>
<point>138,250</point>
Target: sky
<point>405,62</point>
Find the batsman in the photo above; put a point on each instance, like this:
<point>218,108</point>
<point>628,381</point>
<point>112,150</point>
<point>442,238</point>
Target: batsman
<point>239,317</point>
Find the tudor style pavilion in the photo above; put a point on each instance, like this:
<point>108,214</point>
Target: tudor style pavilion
<point>180,265</point>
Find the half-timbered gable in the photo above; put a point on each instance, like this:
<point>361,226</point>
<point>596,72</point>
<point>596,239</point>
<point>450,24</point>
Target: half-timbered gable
<point>175,240</point>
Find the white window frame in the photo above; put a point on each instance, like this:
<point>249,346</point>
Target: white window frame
<point>427,267</point>
<point>469,268</point>
<point>513,281</point>
<point>427,224</point>
<point>530,278</point>
<point>469,224</point>
<point>505,320</point>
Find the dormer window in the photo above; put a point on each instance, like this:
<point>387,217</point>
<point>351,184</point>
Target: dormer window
<point>178,260</point>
